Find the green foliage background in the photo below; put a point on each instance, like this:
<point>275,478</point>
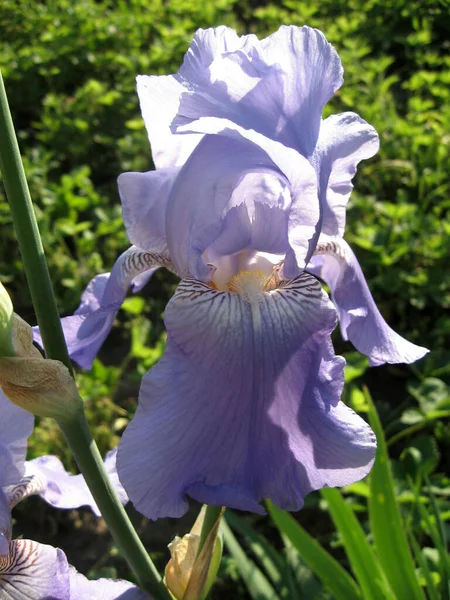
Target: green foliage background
<point>69,68</point>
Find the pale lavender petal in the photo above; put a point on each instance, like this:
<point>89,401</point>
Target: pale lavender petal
<point>144,199</point>
<point>111,469</point>
<point>360,319</point>
<point>82,588</point>
<point>277,86</point>
<point>304,215</point>
<point>344,140</point>
<point>16,426</point>
<point>86,330</point>
<point>244,404</point>
<point>159,98</point>
<point>224,195</point>
<point>45,476</point>
<point>209,44</point>
<point>34,572</point>
<point>5,526</point>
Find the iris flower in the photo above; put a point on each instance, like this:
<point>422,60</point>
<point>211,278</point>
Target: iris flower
<point>29,570</point>
<point>247,205</point>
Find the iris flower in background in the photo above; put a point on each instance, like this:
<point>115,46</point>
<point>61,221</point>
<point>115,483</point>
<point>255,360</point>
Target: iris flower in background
<point>247,206</point>
<point>29,569</point>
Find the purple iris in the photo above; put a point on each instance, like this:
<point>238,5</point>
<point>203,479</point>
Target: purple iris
<point>247,206</point>
<point>29,569</point>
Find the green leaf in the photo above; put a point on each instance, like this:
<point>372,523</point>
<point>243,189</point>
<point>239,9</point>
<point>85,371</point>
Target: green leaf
<point>364,563</point>
<point>297,569</point>
<point>437,533</point>
<point>421,561</point>
<point>273,563</point>
<point>421,457</point>
<point>388,531</point>
<point>334,577</point>
<point>257,583</point>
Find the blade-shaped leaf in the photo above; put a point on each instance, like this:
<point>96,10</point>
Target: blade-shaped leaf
<point>420,559</point>
<point>363,560</point>
<point>436,531</point>
<point>272,561</point>
<point>390,538</point>
<point>334,577</point>
<point>304,577</point>
<point>257,583</point>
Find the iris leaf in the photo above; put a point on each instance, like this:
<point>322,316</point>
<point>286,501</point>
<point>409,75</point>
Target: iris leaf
<point>363,560</point>
<point>273,563</point>
<point>436,530</point>
<point>421,561</point>
<point>257,583</point>
<point>386,523</point>
<point>334,577</point>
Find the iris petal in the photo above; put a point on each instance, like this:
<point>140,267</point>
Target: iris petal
<point>144,200</point>
<point>82,588</point>
<point>160,95</point>
<point>277,86</point>
<point>360,319</point>
<point>5,525</point>
<point>227,167</point>
<point>344,141</point>
<point>34,571</point>
<point>244,404</point>
<point>16,426</point>
<point>45,476</point>
<point>86,330</point>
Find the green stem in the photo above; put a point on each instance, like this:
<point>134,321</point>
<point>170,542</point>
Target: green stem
<point>85,451</point>
<point>28,236</point>
<point>77,430</point>
<point>212,513</point>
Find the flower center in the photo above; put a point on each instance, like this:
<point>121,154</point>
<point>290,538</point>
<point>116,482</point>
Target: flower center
<point>247,273</point>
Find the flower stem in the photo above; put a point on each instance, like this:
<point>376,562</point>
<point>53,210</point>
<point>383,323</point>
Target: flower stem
<point>76,430</point>
<point>85,451</point>
<point>28,236</point>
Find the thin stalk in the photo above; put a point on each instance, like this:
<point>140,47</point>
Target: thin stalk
<point>76,430</point>
<point>85,451</point>
<point>27,232</point>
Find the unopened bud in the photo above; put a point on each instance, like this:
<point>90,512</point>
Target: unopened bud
<point>6,323</point>
<point>189,575</point>
<point>41,386</point>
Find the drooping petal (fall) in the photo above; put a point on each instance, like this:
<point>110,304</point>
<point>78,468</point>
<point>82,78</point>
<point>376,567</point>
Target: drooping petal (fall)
<point>5,525</point>
<point>45,476</point>
<point>34,571</point>
<point>360,319</point>
<point>82,588</point>
<point>16,425</point>
<point>86,330</point>
<point>244,404</point>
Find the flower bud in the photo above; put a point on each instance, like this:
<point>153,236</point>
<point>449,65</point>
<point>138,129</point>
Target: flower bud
<point>6,323</point>
<point>41,386</point>
<point>188,576</point>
